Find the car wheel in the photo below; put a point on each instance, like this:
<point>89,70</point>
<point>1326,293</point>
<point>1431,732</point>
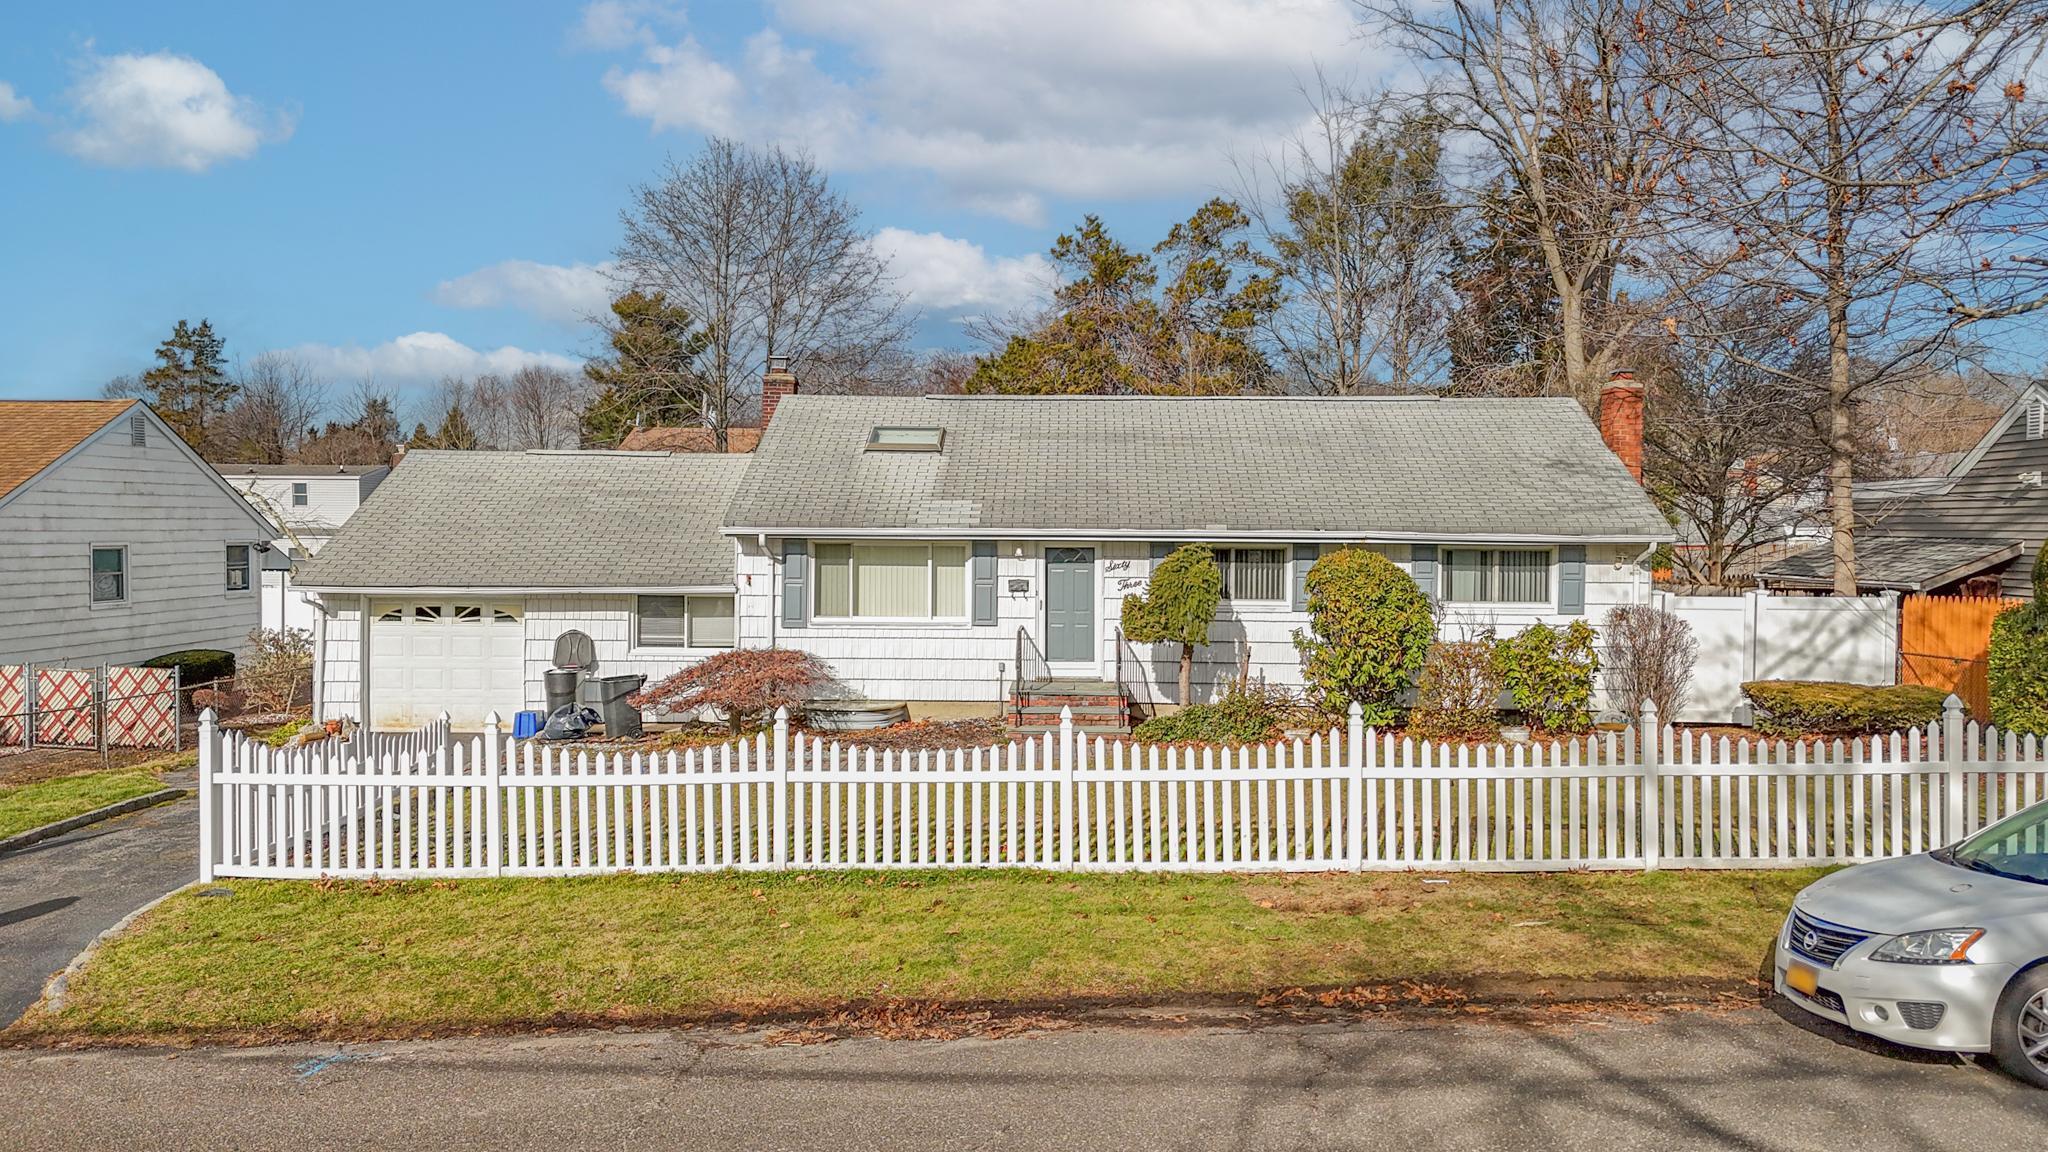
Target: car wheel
<point>2019,1029</point>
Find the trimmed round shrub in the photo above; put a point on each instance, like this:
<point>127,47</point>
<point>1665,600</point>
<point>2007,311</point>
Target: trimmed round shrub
<point>1370,629</point>
<point>1550,672</point>
<point>2017,664</point>
<point>196,665</point>
<point>1238,718</point>
<point>1829,708</point>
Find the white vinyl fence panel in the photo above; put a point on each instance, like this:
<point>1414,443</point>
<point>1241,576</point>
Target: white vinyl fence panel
<point>426,804</point>
<point>1758,636</point>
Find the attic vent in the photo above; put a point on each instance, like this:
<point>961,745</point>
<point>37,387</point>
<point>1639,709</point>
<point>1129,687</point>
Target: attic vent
<point>906,439</point>
<point>2037,418</point>
<point>138,431</point>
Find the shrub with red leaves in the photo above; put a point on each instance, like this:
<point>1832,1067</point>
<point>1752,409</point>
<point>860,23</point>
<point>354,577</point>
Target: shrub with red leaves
<point>745,685</point>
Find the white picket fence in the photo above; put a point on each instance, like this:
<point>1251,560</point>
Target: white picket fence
<point>433,805</point>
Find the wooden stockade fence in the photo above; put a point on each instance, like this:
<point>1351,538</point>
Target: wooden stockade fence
<point>428,804</point>
<point>1944,642</point>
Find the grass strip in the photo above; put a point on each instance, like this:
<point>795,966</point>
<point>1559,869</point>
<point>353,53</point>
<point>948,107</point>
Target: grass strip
<point>334,958</point>
<point>26,806</point>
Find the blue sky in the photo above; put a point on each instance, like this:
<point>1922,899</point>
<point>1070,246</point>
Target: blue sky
<point>403,190</point>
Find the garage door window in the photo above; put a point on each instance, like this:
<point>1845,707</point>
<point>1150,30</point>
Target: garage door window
<point>686,622</point>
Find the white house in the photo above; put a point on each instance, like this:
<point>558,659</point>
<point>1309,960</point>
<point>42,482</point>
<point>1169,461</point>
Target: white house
<point>311,502</point>
<point>925,547</point>
<point>117,541</point>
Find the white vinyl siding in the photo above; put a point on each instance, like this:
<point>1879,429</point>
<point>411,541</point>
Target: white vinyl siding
<point>685,621</point>
<point>1496,576</point>
<point>1253,574</point>
<point>891,581</point>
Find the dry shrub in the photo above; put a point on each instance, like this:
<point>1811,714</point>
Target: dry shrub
<point>1650,654</point>
<point>1458,696</point>
<point>745,686</point>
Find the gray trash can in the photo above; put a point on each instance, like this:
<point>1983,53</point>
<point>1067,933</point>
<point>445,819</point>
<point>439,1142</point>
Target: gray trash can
<point>609,694</point>
<point>561,687</point>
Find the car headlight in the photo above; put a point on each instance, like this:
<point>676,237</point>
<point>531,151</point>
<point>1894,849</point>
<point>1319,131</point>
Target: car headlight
<point>1941,946</point>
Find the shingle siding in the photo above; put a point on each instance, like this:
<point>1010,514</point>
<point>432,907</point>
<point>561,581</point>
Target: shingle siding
<point>1989,501</point>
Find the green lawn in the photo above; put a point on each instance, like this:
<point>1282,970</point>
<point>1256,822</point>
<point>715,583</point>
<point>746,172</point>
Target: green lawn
<point>299,958</point>
<point>26,806</point>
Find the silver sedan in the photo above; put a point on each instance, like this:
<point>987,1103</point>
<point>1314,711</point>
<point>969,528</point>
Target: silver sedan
<point>1945,950</point>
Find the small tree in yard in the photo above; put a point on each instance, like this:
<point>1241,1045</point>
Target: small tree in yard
<point>1650,654</point>
<point>277,669</point>
<point>1177,605</point>
<point>1550,671</point>
<point>745,685</point>
<point>2018,661</point>
<point>1370,628</point>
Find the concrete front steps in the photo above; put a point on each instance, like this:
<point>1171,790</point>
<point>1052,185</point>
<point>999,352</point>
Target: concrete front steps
<point>1098,707</point>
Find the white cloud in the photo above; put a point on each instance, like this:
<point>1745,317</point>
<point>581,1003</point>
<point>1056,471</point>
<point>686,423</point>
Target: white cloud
<point>950,275</point>
<point>421,358</point>
<point>13,106</point>
<point>164,111</point>
<point>562,293</point>
<point>1006,104</point>
<point>611,25</point>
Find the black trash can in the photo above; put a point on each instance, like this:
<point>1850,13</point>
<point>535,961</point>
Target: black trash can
<point>561,687</point>
<point>609,694</point>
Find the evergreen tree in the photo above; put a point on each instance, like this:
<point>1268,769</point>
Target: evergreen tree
<point>189,387</point>
<point>652,375</point>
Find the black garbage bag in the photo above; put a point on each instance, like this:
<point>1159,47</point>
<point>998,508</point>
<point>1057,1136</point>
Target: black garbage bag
<point>569,722</point>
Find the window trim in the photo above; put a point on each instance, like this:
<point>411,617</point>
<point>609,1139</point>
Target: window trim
<point>1444,567</point>
<point>1224,567</point>
<point>301,493</point>
<point>642,644</point>
<point>965,619</point>
<point>248,570</point>
<point>92,576</point>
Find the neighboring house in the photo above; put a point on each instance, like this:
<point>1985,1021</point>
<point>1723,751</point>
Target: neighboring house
<point>1974,531</point>
<point>311,502</point>
<point>117,541</point>
<point>666,438</point>
<point>920,545</point>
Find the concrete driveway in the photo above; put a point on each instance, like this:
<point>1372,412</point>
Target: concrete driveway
<point>57,895</point>
<point>1738,1079</point>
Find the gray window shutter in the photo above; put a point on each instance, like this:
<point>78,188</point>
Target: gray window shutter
<point>1304,557</point>
<point>1422,566</point>
<point>984,583</point>
<point>796,584</point>
<point>1571,579</point>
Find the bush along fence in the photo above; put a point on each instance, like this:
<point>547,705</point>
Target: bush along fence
<point>427,804</point>
<point>112,706</point>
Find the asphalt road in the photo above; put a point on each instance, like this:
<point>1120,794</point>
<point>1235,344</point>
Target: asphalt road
<point>1741,1079</point>
<point>57,895</point>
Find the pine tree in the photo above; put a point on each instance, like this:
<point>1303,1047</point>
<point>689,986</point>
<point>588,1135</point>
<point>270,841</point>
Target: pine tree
<point>652,375</point>
<point>455,431</point>
<point>189,387</point>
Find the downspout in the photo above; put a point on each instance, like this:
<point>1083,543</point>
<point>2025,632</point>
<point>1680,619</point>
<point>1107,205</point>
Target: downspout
<point>774,582</point>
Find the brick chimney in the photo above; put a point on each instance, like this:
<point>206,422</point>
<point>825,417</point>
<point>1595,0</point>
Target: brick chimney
<point>1621,420</point>
<point>777,383</point>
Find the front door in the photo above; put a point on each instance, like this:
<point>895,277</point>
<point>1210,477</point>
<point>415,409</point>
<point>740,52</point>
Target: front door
<point>1070,606</point>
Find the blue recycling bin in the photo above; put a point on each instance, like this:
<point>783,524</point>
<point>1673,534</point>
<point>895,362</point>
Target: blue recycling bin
<point>527,725</point>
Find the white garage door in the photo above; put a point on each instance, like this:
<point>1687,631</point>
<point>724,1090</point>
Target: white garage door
<point>462,657</point>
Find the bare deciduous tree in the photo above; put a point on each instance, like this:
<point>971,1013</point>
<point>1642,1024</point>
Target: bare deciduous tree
<point>1879,161</point>
<point>770,260</point>
<point>278,401</point>
<point>542,405</point>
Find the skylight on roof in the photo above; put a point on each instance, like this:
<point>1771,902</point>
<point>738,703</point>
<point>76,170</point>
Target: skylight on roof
<point>885,439</point>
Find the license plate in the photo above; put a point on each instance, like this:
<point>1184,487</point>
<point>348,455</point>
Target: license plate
<point>1801,979</point>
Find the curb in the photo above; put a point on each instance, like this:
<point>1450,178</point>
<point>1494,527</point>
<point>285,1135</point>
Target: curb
<point>55,988</point>
<point>120,808</point>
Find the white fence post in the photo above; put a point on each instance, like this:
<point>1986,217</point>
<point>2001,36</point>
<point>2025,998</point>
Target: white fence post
<point>1649,749</point>
<point>781,803</point>
<point>209,763</point>
<point>444,725</point>
<point>494,806</point>
<point>1355,751</point>
<point>1067,797</point>
<point>1952,769</point>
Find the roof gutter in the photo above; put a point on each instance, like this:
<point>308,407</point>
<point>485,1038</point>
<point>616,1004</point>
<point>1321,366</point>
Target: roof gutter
<point>518,590</point>
<point>1202,536</point>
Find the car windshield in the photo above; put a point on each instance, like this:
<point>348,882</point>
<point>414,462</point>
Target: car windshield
<point>2016,846</point>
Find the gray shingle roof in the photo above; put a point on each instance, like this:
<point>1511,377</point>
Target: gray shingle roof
<point>537,520</point>
<point>1897,563</point>
<point>1469,467</point>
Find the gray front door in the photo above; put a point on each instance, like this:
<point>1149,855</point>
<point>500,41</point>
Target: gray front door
<point>1069,605</point>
